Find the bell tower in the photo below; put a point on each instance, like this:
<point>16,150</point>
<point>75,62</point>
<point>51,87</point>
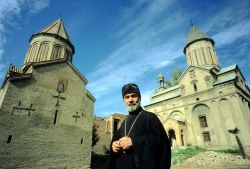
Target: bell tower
<point>51,43</point>
<point>199,49</point>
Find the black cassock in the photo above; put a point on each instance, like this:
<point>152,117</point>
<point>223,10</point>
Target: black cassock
<point>151,147</point>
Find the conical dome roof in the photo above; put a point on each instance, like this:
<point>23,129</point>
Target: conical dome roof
<point>51,43</point>
<point>194,35</point>
<point>56,28</point>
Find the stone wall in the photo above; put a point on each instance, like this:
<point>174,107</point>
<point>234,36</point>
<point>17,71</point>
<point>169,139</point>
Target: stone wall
<point>41,134</point>
<point>103,136</point>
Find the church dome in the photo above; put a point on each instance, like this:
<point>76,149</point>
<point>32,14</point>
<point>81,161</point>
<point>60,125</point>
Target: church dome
<point>195,35</point>
<point>199,49</point>
<point>51,43</point>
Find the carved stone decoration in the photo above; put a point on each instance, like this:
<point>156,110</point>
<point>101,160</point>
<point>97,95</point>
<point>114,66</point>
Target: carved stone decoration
<point>21,110</point>
<point>62,85</point>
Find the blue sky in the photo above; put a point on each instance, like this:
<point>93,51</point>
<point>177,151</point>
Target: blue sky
<point>121,41</point>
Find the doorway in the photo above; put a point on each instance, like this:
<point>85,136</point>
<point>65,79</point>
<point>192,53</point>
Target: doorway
<point>172,137</point>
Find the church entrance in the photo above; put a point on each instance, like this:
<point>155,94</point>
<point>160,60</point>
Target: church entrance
<point>175,127</point>
<point>172,137</point>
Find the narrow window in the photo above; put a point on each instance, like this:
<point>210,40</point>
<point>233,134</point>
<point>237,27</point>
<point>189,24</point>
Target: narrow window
<point>203,121</point>
<point>81,140</point>
<point>9,139</point>
<point>67,55</point>
<point>195,87</point>
<point>206,136</point>
<point>55,117</point>
<point>56,52</point>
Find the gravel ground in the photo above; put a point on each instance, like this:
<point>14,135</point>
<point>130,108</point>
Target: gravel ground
<point>215,160</point>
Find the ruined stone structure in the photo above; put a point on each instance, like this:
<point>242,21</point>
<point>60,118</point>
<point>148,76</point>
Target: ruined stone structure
<point>208,102</point>
<point>46,111</point>
<point>105,129</point>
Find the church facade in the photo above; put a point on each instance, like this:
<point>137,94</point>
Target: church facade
<point>46,111</point>
<point>210,106</point>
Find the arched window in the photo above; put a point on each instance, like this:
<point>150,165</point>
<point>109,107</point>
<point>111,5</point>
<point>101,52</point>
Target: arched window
<point>43,52</point>
<point>33,51</point>
<point>56,54</point>
<point>202,111</point>
<point>67,55</point>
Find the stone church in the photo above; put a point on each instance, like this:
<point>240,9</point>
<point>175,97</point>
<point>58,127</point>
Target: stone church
<point>210,105</point>
<point>46,111</point>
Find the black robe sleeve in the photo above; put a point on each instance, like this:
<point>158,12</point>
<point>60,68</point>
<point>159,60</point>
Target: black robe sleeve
<point>153,149</point>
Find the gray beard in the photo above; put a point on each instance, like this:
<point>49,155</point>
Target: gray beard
<point>132,108</point>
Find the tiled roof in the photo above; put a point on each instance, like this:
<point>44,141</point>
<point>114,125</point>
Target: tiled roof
<point>56,28</point>
<point>166,90</point>
<point>165,98</point>
<point>226,79</point>
<point>195,34</point>
<point>227,69</point>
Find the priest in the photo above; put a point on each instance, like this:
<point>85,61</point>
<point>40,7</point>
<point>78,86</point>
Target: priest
<point>141,142</point>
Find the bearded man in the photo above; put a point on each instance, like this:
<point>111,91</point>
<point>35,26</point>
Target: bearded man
<point>141,142</point>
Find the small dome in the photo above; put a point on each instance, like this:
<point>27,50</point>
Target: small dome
<point>160,76</point>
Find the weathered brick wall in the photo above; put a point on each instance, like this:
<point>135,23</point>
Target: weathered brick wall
<point>104,137</point>
<point>36,141</point>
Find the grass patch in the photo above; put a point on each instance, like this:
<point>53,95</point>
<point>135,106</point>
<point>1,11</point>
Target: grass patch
<point>188,152</point>
<point>179,155</point>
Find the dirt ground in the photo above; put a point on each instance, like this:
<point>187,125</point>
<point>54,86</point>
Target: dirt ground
<point>214,160</point>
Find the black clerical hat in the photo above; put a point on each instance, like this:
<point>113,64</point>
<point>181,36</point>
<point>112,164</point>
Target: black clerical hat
<point>130,88</point>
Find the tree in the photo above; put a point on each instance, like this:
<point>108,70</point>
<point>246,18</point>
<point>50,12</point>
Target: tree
<point>175,76</point>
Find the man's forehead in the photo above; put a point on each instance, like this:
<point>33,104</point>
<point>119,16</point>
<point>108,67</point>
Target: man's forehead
<point>131,94</point>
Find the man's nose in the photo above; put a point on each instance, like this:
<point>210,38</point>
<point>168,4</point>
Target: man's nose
<point>131,99</point>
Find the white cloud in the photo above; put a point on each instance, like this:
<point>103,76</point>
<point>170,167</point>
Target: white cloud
<point>144,49</point>
<point>11,12</point>
<point>229,35</point>
<point>38,5</point>
<point>113,72</point>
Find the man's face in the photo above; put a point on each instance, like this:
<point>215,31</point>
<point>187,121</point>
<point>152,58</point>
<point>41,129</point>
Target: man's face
<point>132,101</point>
